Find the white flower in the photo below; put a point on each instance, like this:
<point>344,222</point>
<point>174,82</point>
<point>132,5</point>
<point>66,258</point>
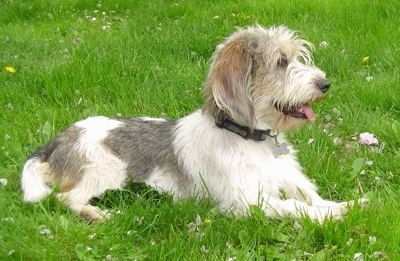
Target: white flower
<point>229,245</point>
<point>45,231</point>
<point>192,227</point>
<point>310,141</point>
<point>336,111</point>
<point>337,141</point>
<point>203,249</point>
<point>369,163</point>
<point>91,236</point>
<point>369,78</point>
<point>358,257</point>
<point>379,255</point>
<point>368,139</point>
<point>138,220</point>
<point>372,239</point>
<point>349,242</point>
<point>3,182</point>
<point>108,257</point>
<point>323,44</point>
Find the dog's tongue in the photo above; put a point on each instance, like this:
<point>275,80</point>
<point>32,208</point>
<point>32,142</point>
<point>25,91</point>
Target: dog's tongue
<point>309,113</point>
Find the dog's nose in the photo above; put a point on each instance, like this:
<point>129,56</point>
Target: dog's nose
<point>323,85</point>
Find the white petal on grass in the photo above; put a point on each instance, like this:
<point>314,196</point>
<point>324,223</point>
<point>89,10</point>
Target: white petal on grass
<point>198,220</point>
<point>3,181</point>
<point>192,227</point>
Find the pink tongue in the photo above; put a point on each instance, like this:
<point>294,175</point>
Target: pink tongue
<point>309,112</point>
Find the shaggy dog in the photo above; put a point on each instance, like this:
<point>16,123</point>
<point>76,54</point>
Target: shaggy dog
<point>261,83</point>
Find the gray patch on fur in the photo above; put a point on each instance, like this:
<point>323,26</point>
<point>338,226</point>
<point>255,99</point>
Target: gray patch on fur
<point>63,158</point>
<point>145,145</point>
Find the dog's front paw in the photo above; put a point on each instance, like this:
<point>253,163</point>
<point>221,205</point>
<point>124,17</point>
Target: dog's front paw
<point>338,211</point>
<point>94,214</point>
<point>362,202</point>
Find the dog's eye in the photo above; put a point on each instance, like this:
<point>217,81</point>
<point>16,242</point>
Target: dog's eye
<point>283,62</point>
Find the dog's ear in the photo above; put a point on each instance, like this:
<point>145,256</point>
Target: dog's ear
<point>229,82</point>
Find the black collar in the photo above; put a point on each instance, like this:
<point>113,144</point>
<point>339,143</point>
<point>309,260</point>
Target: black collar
<point>243,131</point>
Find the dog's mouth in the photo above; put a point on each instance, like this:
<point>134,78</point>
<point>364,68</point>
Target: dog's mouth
<point>303,111</point>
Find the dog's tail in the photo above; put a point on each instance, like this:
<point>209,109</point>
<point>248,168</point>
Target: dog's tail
<point>33,181</point>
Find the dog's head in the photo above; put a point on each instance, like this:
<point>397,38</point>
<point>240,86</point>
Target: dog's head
<point>264,78</point>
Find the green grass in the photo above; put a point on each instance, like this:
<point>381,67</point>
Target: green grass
<point>151,60</point>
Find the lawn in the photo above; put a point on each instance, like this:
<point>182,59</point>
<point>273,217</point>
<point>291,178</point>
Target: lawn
<point>65,60</point>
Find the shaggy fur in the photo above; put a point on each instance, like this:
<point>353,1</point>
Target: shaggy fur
<point>261,81</point>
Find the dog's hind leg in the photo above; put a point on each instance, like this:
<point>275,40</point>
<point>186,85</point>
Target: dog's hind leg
<point>82,207</point>
<point>96,179</point>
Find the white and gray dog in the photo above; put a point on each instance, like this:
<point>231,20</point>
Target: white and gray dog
<point>261,83</point>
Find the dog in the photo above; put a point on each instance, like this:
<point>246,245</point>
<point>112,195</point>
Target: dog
<point>262,83</point>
